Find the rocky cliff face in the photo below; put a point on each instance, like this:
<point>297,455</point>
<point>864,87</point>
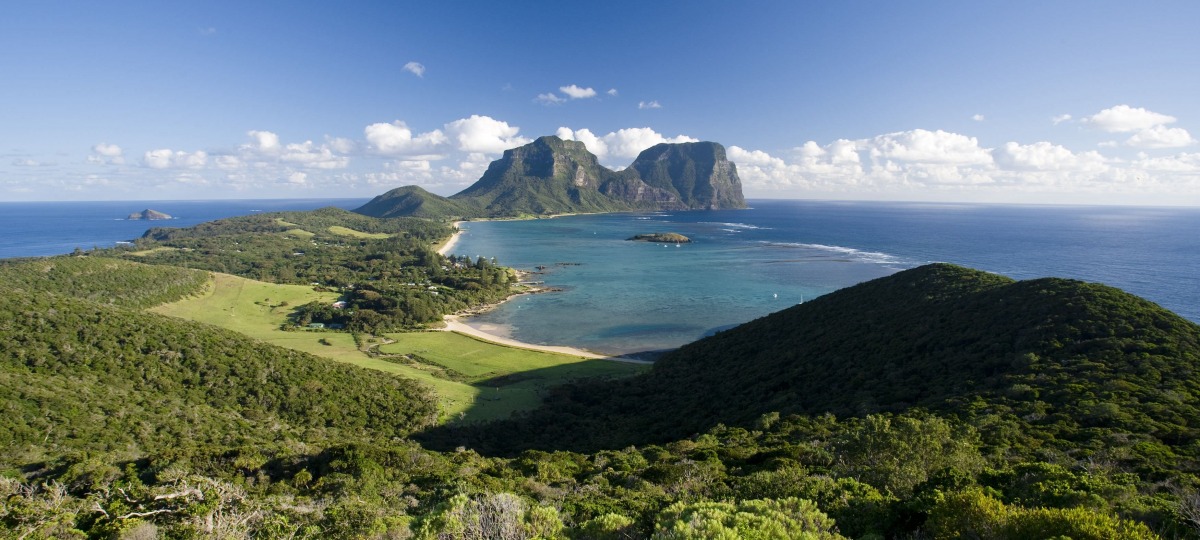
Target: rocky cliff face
<point>698,174</point>
<point>554,176</point>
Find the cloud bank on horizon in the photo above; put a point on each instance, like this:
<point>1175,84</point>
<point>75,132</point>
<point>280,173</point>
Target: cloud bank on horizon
<point>285,116</point>
<point>917,163</point>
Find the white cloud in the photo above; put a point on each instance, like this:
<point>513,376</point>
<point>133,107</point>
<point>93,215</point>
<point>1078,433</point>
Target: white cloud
<point>625,143</point>
<point>977,117</point>
<point>612,92</point>
<point>107,150</point>
<point>1161,137</point>
<point>594,144</point>
<point>313,156</point>
<point>396,139</point>
<point>1044,156</point>
<point>576,92</point>
<point>549,98</point>
<point>1124,118</point>
<point>342,145</point>
<point>416,68</point>
<point>105,153</point>
<point>924,146</point>
<point>262,142</point>
<point>649,105</point>
<point>1056,120</point>
<point>297,178</point>
<point>484,134</point>
<point>25,162</point>
<point>164,158</point>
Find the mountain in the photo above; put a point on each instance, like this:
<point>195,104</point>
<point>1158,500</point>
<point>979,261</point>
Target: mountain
<point>1088,367</point>
<point>413,201</point>
<point>556,176</point>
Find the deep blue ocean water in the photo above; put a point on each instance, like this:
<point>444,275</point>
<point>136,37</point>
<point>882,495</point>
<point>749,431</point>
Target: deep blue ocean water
<point>622,297</point>
<point>37,229</point>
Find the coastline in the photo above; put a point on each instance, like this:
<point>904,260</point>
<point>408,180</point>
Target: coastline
<point>455,323</point>
<point>445,248</point>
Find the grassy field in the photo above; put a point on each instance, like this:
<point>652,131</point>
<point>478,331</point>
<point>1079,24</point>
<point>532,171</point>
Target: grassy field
<point>345,231</point>
<point>474,380</point>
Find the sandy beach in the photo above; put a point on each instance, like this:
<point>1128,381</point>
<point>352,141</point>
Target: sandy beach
<point>455,324</point>
<point>445,249</point>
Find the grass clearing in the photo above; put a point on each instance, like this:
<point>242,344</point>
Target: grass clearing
<point>152,251</point>
<point>495,380</point>
<point>346,231</point>
<point>299,233</point>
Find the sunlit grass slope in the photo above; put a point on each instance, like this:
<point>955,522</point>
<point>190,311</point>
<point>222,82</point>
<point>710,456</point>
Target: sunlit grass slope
<point>474,380</point>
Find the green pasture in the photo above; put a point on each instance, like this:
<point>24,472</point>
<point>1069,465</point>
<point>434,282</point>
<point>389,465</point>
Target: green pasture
<point>474,380</point>
<point>346,231</point>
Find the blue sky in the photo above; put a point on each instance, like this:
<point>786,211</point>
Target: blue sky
<point>1033,102</point>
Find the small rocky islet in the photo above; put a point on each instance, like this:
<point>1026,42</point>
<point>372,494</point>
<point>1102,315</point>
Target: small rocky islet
<point>665,238</point>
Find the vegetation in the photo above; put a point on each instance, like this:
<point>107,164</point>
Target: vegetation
<point>385,271</point>
<point>473,380</point>
<point>669,238</point>
<point>940,402</point>
<point>80,376</point>
<point>553,176</point>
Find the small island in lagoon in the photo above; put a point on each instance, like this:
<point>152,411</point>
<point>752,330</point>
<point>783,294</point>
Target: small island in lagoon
<point>668,238</point>
<point>149,215</point>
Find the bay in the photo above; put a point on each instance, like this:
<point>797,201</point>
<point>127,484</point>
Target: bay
<point>621,297</point>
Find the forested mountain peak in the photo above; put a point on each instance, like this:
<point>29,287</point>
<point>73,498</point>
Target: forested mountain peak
<point>552,176</point>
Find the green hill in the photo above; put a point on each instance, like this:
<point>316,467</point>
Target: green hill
<point>416,202</point>
<point>90,376</point>
<point>554,176</point>
<point>1053,362</point>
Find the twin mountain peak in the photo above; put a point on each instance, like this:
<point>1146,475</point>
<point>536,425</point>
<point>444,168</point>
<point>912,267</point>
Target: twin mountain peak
<point>556,176</point>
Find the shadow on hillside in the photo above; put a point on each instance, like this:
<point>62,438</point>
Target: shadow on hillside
<point>513,395</point>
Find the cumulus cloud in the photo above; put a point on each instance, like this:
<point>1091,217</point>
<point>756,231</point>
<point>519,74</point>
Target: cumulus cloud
<point>977,117</point>
<point>416,68</point>
<point>612,92</point>
<point>924,146</point>
<point>105,153</point>
<point>549,98</point>
<point>1044,156</point>
<point>1056,120</point>
<point>484,134</point>
<point>1124,118</point>
<point>263,142</point>
<point>313,156</point>
<point>649,105</point>
<point>623,143</point>
<point>298,178</point>
<point>1161,137</point>
<point>397,139</point>
<point>164,158</point>
<point>575,92</point>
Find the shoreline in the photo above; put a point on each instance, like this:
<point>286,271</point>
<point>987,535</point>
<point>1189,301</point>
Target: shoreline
<point>445,248</point>
<point>455,323</point>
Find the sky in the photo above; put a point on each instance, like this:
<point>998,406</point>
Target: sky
<point>1061,102</point>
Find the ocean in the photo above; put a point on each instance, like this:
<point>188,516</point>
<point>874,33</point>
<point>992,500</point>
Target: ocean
<point>621,297</point>
<point>39,229</point>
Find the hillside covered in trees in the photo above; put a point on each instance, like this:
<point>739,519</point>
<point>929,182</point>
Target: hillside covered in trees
<point>939,402</point>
